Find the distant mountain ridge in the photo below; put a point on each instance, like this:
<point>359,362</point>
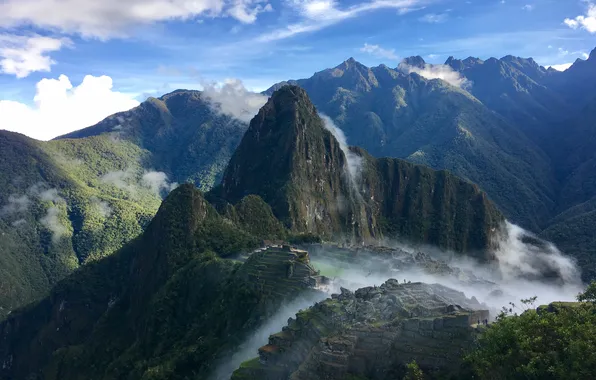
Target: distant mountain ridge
<point>502,132</point>
<point>185,137</point>
<point>395,114</point>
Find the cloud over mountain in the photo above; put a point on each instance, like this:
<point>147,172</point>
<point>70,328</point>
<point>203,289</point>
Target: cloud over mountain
<point>61,107</point>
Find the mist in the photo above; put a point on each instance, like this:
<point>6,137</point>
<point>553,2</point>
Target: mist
<point>128,180</point>
<point>525,267</point>
<point>157,182</point>
<point>233,99</point>
<point>102,207</point>
<point>249,349</point>
<point>443,72</point>
<point>353,160</point>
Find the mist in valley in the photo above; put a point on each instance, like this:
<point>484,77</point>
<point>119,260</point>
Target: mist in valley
<point>524,267</point>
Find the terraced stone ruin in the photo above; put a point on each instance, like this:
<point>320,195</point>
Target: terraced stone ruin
<point>281,270</point>
<point>372,332</point>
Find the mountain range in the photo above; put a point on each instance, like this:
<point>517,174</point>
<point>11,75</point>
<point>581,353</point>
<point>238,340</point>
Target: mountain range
<point>96,324</point>
<point>112,284</point>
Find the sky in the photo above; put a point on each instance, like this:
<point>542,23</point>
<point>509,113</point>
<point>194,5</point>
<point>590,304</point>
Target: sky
<point>67,64</point>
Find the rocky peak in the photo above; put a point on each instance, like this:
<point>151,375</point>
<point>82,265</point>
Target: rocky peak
<point>295,164</point>
<point>415,61</point>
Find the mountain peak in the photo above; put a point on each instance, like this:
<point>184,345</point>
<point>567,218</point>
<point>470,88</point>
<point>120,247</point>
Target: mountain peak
<point>351,63</point>
<point>416,61</point>
<point>592,54</point>
<point>293,163</point>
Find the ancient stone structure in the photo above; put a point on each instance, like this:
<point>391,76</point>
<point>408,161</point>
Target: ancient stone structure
<point>372,333</point>
<point>281,270</point>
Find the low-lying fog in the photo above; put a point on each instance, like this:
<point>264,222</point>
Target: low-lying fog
<point>525,267</point>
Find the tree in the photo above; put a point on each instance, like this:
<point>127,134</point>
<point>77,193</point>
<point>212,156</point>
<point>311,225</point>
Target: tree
<point>557,341</point>
<point>413,372</point>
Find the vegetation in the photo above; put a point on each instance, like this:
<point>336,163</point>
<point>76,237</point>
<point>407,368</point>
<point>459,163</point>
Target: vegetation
<point>557,341</point>
<point>300,171</point>
<point>165,306</point>
<point>413,372</point>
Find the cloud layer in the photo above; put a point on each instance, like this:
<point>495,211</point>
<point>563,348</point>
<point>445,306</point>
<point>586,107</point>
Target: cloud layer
<point>443,72</point>
<point>233,99</point>
<point>110,18</point>
<point>61,107</point>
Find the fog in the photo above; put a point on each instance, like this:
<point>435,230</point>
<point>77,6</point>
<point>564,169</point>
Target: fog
<point>525,267</point>
<point>260,337</point>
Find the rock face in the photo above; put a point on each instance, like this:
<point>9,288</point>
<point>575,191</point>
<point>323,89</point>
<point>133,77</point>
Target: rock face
<point>289,159</point>
<point>315,184</point>
<point>372,332</point>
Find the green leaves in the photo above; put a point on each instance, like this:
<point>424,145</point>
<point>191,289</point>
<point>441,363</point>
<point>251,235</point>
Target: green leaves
<point>557,341</point>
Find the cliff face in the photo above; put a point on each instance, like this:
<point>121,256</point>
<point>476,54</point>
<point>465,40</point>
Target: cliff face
<point>289,159</point>
<point>314,184</point>
<point>371,333</point>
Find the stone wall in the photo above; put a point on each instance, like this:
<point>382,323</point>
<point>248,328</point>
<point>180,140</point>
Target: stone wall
<point>371,333</point>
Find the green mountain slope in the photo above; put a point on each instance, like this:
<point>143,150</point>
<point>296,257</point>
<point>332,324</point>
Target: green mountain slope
<point>314,185</point>
<point>516,89</point>
<point>82,196</point>
<point>185,137</point>
<point>162,307</point>
<point>57,211</point>
<point>430,122</point>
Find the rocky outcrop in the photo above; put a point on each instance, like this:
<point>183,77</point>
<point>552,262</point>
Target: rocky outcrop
<point>372,332</point>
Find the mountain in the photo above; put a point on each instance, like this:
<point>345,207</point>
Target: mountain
<point>516,88</point>
<point>82,196</point>
<point>573,148</point>
<point>63,204</point>
<point>290,157</point>
<point>164,304</point>
<point>391,113</point>
<point>577,84</point>
<point>186,137</point>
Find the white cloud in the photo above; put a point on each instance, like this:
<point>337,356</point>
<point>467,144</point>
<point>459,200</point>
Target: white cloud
<point>560,67</point>
<point>585,55</point>
<point>22,55</point>
<point>233,99</point>
<point>15,204</point>
<point>61,108</point>
<point>434,18</point>
<point>319,14</point>
<point>587,21</point>
<point>443,72</point>
<point>114,18</point>
<point>157,181</point>
<point>52,222</point>
<point>528,7</point>
<point>246,12</point>
<point>378,51</point>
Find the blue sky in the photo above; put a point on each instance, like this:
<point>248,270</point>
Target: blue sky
<point>155,46</point>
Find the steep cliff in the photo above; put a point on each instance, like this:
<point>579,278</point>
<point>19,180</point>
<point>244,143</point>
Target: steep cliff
<point>291,157</point>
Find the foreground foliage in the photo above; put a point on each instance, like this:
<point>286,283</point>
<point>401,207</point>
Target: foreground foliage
<point>557,341</point>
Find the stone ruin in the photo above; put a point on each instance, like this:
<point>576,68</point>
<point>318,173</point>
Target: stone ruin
<point>281,270</point>
<point>371,332</point>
